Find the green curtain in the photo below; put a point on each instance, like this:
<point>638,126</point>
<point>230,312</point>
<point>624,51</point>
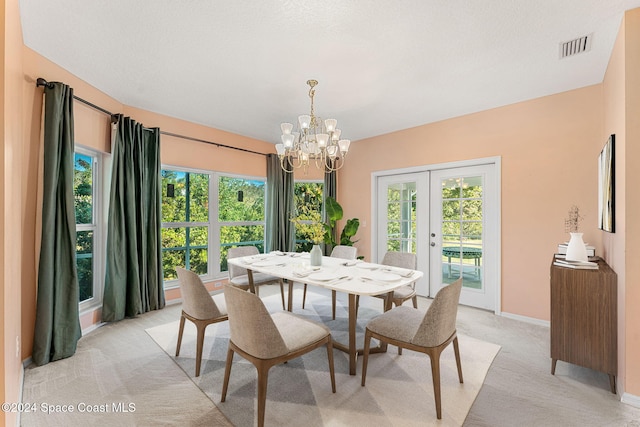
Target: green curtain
<point>280,231</point>
<point>133,279</point>
<point>57,328</point>
<point>329,189</point>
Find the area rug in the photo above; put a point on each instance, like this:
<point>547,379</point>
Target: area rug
<point>399,389</point>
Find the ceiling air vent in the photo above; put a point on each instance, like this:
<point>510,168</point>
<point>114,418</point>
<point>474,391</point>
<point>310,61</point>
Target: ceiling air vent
<point>576,46</point>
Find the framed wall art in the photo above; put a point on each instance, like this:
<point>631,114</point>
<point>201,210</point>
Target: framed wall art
<point>606,186</point>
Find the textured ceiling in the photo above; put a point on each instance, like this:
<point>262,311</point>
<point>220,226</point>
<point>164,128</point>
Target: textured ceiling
<point>382,65</point>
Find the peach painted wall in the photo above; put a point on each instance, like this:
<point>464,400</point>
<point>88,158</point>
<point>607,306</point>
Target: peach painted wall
<point>548,147</point>
<point>632,202</point>
<point>11,134</point>
<point>613,244</point>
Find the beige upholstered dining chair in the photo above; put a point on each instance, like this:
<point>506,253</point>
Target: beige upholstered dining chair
<point>429,332</point>
<point>408,261</point>
<point>239,277</point>
<point>199,307</point>
<point>339,251</point>
<point>269,339</point>
<point>404,260</point>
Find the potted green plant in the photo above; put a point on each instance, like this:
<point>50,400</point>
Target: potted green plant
<point>334,214</point>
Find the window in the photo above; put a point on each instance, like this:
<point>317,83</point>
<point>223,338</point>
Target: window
<point>87,203</point>
<point>185,222</point>
<point>308,197</point>
<point>198,228</point>
<point>241,214</point>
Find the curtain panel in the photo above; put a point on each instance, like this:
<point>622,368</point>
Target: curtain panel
<point>280,231</point>
<point>133,279</point>
<point>57,326</point>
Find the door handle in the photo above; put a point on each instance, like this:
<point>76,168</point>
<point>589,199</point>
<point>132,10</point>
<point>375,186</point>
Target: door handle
<point>433,243</point>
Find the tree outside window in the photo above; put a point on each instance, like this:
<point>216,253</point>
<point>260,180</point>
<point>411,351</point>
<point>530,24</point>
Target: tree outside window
<point>185,222</point>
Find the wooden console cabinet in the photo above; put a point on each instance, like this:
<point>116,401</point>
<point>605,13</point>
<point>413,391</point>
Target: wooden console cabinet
<point>584,318</point>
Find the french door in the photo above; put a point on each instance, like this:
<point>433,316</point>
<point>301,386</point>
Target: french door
<point>449,218</point>
<point>403,219</point>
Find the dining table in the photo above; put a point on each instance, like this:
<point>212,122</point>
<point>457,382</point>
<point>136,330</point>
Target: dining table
<point>353,277</point>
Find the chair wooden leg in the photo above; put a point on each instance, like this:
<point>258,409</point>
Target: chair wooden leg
<point>435,373</point>
<point>415,301</point>
<point>456,350</point>
<point>304,295</point>
<point>331,370</point>
<point>227,374</point>
<point>199,345</point>
<point>180,330</point>
<point>365,356</point>
<point>263,376</point>
<point>333,304</point>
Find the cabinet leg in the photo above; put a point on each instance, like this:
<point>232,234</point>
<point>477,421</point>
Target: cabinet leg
<point>612,382</point>
<point>553,366</point>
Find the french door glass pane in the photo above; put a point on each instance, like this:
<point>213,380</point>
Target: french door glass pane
<point>401,217</point>
<point>462,230</point>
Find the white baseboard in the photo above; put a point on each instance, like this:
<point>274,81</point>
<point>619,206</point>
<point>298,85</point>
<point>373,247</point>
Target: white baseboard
<point>526,319</point>
<point>92,328</point>
<point>630,399</point>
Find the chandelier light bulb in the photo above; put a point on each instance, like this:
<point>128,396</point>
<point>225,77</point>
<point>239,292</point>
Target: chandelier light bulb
<point>330,124</point>
<point>344,145</point>
<point>305,121</point>
<point>287,140</point>
<point>336,135</point>
<point>286,128</point>
<point>322,139</point>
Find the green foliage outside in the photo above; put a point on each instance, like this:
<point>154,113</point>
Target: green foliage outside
<point>462,214</point>
<point>186,245</point>
<point>308,203</point>
<point>83,202</point>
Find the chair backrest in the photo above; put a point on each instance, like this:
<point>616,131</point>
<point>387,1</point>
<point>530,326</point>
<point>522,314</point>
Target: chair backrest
<point>251,326</point>
<point>400,259</point>
<point>345,252</point>
<point>240,251</point>
<point>196,300</point>
<point>439,322</point>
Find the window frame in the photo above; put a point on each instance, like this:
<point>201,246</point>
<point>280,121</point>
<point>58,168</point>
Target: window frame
<point>98,225</point>
<point>214,224</point>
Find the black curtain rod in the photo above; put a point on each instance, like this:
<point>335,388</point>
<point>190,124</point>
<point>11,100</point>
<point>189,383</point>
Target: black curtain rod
<point>114,118</point>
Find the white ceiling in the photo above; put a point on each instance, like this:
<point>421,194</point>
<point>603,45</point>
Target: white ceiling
<point>382,65</point>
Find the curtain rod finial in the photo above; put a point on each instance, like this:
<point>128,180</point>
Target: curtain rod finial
<point>42,82</point>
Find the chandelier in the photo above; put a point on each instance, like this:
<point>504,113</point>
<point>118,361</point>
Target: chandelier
<point>314,141</point>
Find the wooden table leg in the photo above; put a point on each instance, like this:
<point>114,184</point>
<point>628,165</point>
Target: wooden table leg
<point>290,296</point>
<point>553,366</point>
<point>252,287</point>
<point>353,352</point>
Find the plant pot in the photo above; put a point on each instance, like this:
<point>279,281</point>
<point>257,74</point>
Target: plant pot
<point>315,256</point>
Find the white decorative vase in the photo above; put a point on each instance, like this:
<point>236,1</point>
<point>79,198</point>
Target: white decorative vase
<point>576,250</point>
<point>315,256</point>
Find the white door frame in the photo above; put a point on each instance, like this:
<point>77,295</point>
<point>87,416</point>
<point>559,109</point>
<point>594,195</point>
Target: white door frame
<point>427,168</point>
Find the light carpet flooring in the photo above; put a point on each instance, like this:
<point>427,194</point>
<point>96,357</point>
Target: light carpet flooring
<point>398,389</point>
<point>120,363</point>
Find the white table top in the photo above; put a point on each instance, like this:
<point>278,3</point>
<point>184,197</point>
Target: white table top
<point>349,276</point>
